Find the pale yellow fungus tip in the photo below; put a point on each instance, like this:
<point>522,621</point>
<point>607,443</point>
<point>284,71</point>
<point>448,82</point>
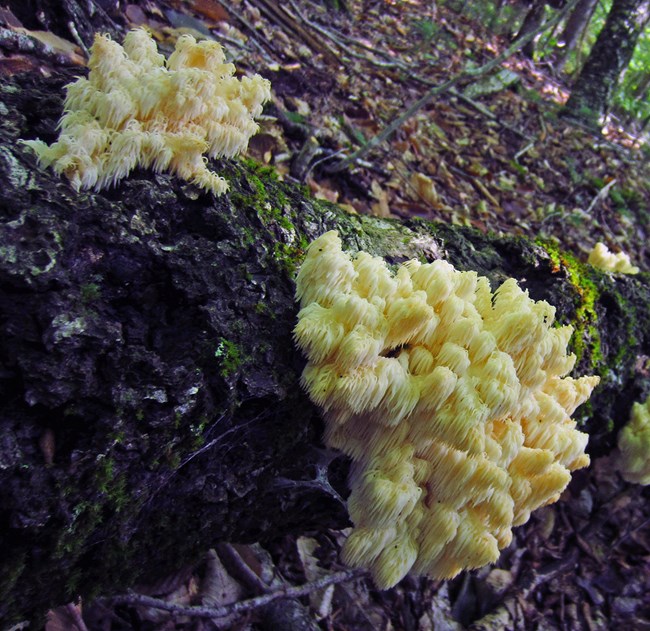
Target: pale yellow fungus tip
<point>136,109</point>
<point>602,258</point>
<point>634,445</point>
<point>453,403</point>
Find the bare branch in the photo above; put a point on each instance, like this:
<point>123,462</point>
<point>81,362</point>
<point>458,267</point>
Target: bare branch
<point>237,607</point>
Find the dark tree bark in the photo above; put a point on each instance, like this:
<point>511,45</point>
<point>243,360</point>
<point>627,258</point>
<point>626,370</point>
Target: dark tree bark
<point>575,27</point>
<point>532,21</point>
<point>78,20</point>
<point>149,387</point>
<point>610,56</point>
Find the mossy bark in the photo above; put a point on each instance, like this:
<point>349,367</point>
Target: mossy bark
<point>150,399</point>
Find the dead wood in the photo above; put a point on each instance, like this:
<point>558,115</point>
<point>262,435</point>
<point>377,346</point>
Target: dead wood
<point>150,399</point>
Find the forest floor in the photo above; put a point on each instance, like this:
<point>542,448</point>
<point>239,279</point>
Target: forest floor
<point>501,161</point>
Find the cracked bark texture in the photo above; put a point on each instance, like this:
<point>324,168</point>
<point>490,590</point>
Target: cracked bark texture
<point>149,388</point>
<point>592,92</point>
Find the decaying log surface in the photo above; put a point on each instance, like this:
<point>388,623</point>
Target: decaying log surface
<point>150,399</point>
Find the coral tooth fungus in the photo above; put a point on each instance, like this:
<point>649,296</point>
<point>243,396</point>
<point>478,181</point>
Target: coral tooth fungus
<point>453,403</point>
<point>136,110</point>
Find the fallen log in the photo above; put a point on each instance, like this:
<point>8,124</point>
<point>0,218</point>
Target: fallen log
<point>150,386</point>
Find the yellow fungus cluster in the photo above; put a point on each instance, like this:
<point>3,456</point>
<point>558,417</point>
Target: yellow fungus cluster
<point>451,400</point>
<point>602,258</point>
<point>634,445</point>
<point>136,109</point>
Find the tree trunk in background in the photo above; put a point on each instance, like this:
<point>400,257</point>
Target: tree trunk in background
<point>532,21</point>
<point>507,24</point>
<point>575,27</point>
<point>610,56</point>
<point>149,387</point>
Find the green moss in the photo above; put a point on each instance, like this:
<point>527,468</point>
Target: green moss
<point>258,185</point>
<point>86,516</point>
<point>73,582</point>
<point>117,437</point>
<point>104,473</point>
<point>631,339</point>
<point>12,570</point>
<point>248,237</point>
<point>586,338</point>
<point>230,357</point>
<point>118,496</point>
<point>174,459</point>
<point>262,308</point>
<point>264,171</point>
<point>274,211</point>
<point>90,292</point>
<point>288,256</point>
<point>274,214</point>
<point>110,493</point>
<point>270,204</point>
<point>197,432</point>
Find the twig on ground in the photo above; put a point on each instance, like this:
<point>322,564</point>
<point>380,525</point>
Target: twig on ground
<point>525,149</point>
<point>77,38</point>
<point>479,107</point>
<point>521,590</point>
<point>346,43</point>
<point>229,7</point>
<point>600,196</point>
<point>240,570</point>
<point>630,530</point>
<point>74,612</point>
<point>460,78</point>
<point>238,607</point>
<point>281,16</point>
<point>343,41</point>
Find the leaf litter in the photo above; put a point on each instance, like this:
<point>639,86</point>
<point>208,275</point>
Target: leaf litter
<point>500,160</point>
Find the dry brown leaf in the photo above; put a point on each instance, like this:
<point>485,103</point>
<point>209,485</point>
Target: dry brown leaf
<point>135,15</point>
<point>320,601</point>
<point>16,64</point>
<point>425,189</point>
<point>380,208</point>
<point>218,587</point>
<point>321,190</point>
<point>65,618</point>
<point>348,208</point>
<point>184,596</point>
<point>209,9</point>
<point>59,45</point>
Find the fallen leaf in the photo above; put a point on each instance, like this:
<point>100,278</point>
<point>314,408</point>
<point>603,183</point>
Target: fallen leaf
<point>210,9</point>
<point>65,618</point>
<point>320,601</point>
<point>59,45</point>
<point>424,188</point>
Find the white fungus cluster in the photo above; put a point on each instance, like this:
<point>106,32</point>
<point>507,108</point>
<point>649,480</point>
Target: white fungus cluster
<point>136,109</point>
<point>634,445</point>
<point>602,258</point>
<point>451,400</point>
